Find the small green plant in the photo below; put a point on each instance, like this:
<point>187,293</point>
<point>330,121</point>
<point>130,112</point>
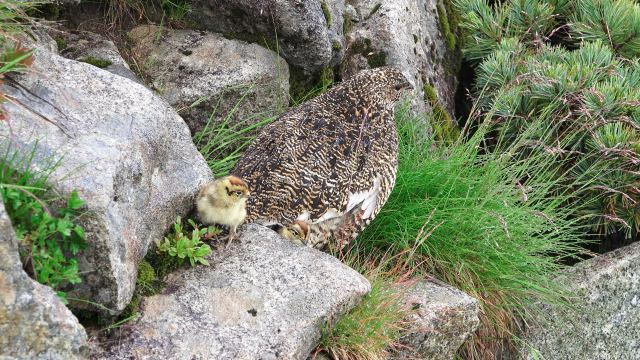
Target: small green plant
<point>49,240</point>
<point>183,247</point>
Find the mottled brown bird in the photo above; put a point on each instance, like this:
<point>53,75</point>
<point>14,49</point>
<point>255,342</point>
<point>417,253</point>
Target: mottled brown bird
<point>330,162</point>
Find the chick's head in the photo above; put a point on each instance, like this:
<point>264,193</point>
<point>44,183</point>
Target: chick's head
<point>296,232</point>
<point>227,191</point>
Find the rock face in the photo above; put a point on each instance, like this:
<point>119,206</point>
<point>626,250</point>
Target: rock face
<point>606,321</point>
<point>34,324</point>
<point>407,34</point>
<point>92,48</point>
<point>126,151</point>
<point>187,66</point>
<point>309,33</point>
<point>443,318</point>
<point>264,298</point>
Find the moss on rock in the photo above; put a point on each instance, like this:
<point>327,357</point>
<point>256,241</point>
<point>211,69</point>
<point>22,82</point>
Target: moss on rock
<point>61,43</point>
<point>347,24</point>
<point>304,87</point>
<point>445,26</point>
<point>146,273</point>
<point>444,127</point>
<point>327,13</point>
<point>101,63</point>
<point>266,42</point>
<point>375,9</point>
<point>375,58</point>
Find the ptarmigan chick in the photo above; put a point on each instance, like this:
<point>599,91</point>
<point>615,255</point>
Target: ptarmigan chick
<point>330,162</point>
<point>296,232</point>
<point>224,202</point>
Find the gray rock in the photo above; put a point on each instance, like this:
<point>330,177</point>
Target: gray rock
<point>407,34</point>
<point>443,318</point>
<point>126,151</point>
<point>187,66</point>
<point>34,323</point>
<point>85,46</point>
<point>309,33</point>
<point>263,298</point>
<point>604,323</point>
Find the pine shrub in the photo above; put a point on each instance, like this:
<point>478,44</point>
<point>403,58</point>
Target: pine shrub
<point>574,63</point>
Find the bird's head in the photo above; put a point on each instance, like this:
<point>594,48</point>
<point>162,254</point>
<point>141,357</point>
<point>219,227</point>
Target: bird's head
<point>227,191</point>
<point>385,84</point>
<point>296,232</point>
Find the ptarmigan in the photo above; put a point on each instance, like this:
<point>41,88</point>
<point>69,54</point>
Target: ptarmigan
<point>223,202</point>
<point>330,162</point>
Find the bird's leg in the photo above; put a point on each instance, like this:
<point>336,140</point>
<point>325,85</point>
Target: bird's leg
<point>232,234</point>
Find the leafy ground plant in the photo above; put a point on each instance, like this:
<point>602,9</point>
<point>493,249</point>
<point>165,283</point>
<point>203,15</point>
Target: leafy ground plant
<point>496,225</point>
<point>49,240</point>
<point>183,247</point>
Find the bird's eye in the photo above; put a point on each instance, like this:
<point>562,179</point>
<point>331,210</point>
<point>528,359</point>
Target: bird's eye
<point>398,87</point>
<point>295,232</point>
<point>238,193</point>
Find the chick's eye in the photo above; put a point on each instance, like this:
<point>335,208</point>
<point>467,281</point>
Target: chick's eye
<point>295,232</point>
<point>398,87</point>
<point>238,193</point>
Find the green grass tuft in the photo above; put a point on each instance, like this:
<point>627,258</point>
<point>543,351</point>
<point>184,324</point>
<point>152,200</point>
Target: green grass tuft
<point>372,329</point>
<point>222,142</point>
<point>495,225</point>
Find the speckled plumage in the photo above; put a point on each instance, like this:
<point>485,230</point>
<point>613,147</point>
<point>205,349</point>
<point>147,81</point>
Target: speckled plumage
<point>330,162</point>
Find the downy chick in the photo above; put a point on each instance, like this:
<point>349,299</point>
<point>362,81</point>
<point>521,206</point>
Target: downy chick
<point>296,232</point>
<point>223,202</point>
